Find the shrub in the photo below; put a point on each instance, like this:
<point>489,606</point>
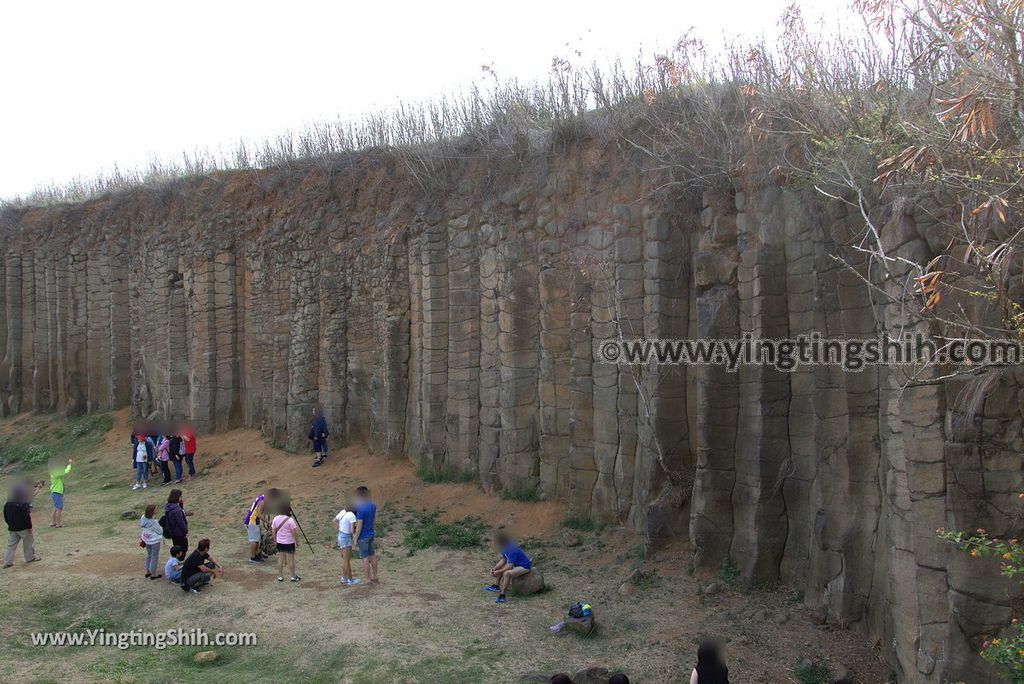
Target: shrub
<point>426,530</point>
<point>429,472</point>
<point>521,493</point>
<point>1006,652</point>
<point>811,672</point>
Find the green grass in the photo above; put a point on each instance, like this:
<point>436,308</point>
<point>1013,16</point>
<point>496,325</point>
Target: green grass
<point>426,529</point>
<point>430,472</point>
<point>520,493</point>
<point>811,672</point>
<point>729,572</point>
<point>584,525</point>
<point>39,446</point>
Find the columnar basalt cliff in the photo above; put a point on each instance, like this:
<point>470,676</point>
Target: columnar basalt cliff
<point>453,319</point>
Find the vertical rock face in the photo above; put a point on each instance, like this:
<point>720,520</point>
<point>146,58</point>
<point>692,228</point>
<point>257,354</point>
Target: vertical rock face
<point>457,321</point>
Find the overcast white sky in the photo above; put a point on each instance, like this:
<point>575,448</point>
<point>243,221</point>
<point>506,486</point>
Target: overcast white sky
<point>90,84</point>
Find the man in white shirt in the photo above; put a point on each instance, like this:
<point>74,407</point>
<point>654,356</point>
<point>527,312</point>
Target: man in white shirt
<point>346,525</point>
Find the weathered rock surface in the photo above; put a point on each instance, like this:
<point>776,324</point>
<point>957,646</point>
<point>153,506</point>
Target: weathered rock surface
<point>456,320</point>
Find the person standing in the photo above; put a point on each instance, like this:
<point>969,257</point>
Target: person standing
<point>141,463</point>
<point>366,514</point>
<point>174,453</point>
<point>284,528</point>
<point>253,530</point>
<point>711,667</point>
<point>18,516</point>
<point>346,520</point>
<point>163,457</point>
<point>57,475</point>
<point>188,449</point>
<point>318,434</point>
<point>175,521</point>
<point>152,537</point>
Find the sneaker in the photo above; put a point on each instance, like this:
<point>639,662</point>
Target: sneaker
<point>280,579</point>
<point>135,486</point>
<point>352,582</point>
<point>295,578</point>
<point>317,463</point>
<point>143,485</point>
<point>184,588</point>
<point>500,599</point>
<point>493,587</point>
<point>256,559</point>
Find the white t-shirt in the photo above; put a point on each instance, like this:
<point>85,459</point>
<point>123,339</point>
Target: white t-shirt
<point>346,521</point>
<point>140,453</point>
<point>170,566</point>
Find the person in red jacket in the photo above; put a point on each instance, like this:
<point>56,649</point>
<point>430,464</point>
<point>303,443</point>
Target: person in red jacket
<point>188,449</point>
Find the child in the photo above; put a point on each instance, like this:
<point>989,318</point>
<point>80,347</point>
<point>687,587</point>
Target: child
<point>152,537</point>
<point>513,563</point>
<point>346,525</point>
<point>283,527</point>
<point>141,463</point>
<point>57,491</point>
<point>172,569</point>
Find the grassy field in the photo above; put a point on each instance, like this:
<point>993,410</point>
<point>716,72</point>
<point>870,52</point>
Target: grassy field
<point>428,620</point>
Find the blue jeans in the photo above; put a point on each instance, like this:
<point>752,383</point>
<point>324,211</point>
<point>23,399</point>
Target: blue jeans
<point>190,462</point>
<point>152,557</point>
<point>177,470</point>
<point>141,472</point>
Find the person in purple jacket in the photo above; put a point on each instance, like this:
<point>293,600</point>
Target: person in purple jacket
<point>175,521</point>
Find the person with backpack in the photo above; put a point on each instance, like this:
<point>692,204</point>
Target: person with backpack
<point>318,435</point>
<point>151,538</point>
<point>174,521</point>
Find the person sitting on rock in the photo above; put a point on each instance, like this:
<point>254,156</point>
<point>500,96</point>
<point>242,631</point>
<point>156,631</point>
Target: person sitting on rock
<point>514,563</point>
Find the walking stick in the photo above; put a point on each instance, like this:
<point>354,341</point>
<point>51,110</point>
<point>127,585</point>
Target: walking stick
<point>292,512</point>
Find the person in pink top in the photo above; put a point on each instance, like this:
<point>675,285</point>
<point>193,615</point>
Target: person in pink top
<point>284,528</point>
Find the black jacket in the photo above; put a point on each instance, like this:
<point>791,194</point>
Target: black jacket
<point>18,515</point>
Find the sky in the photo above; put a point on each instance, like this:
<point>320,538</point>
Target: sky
<point>88,85</point>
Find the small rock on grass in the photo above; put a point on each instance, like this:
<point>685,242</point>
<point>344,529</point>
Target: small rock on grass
<point>713,588</point>
<point>841,675</point>
<point>204,657</point>
<point>128,515</point>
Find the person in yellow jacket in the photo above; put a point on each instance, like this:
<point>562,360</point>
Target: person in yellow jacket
<point>57,475</point>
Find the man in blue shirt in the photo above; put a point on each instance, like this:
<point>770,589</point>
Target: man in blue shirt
<point>513,563</point>
<point>366,512</point>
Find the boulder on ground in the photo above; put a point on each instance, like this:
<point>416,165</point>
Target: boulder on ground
<point>582,626</point>
<point>204,657</point>
<point>592,675</point>
<point>530,583</point>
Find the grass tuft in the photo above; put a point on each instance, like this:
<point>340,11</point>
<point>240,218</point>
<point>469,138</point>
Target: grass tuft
<point>426,529</point>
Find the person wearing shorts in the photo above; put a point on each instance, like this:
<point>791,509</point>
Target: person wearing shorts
<point>346,520</point>
<point>513,563</point>
<point>253,533</point>
<point>57,475</point>
<point>366,514</point>
<point>284,528</point>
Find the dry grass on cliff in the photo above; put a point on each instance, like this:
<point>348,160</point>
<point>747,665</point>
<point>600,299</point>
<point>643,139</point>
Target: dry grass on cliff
<point>428,621</point>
